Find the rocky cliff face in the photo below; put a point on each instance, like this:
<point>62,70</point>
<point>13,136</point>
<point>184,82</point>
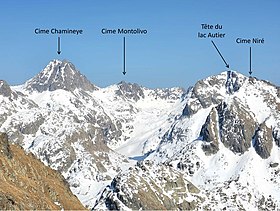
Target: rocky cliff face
<point>27,184</point>
<point>263,141</point>
<point>236,126</point>
<point>59,75</point>
<point>233,126</point>
<point>210,133</point>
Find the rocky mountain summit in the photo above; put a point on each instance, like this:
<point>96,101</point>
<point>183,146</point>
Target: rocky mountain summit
<point>224,143</point>
<point>80,129</point>
<point>59,75</point>
<point>26,183</point>
<point>211,147</point>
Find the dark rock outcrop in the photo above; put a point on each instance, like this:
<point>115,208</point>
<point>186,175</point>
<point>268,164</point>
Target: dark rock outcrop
<point>210,133</point>
<point>276,136</point>
<point>236,126</point>
<point>262,141</point>
<point>232,124</point>
<point>233,82</point>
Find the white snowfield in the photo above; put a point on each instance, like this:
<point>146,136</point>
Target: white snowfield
<point>92,136</point>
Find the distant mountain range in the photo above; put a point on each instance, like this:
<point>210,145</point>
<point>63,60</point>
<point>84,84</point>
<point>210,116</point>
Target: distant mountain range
<point>214,146</point>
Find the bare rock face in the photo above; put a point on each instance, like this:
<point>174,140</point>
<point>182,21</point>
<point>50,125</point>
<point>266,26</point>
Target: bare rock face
<point>130,91</point>
<point>262,141</point>
<point>210,133</point>
<point>236,127</point>
<point>199,99</point>
<point>233,82</point>
<point>27,184</point>
<point>59,75</point>
<point>232,124</point>
<point>276,136</point>
<point>5,89</point>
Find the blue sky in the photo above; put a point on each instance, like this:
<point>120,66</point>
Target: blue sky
<point>169,55</point>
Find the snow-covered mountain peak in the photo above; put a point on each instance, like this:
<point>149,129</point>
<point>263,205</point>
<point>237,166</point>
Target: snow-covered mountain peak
<point>130,91</point>
<point>227,81</point>
<point>59,75</point>
<point>5,89</point>
<point>138,140</point>
<point>222,87</point>
<point>232,109</point>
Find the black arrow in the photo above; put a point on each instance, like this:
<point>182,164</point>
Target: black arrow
<point>58,45</point>
<point>124,72</point>
<point>227,65</point>
<point>250,72</point>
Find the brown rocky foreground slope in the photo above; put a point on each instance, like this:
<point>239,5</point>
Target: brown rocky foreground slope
<point>26,183</point>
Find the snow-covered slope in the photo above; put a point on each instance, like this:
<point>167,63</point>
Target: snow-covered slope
<point>87,133</point>
<point>225,143</point>
<point>143,113</point>
<point>214,146</point>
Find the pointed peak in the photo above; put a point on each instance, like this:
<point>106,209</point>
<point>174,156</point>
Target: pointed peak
<point>59,75</point>
<point>5,89</point>
<point>230,79</point>
<point>55,64</point>
<point>124,83</point>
